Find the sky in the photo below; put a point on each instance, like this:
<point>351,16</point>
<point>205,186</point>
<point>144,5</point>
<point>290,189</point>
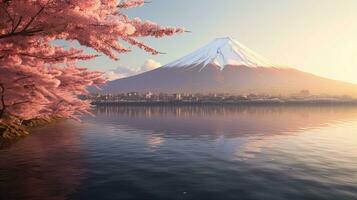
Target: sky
<point>316,36</point>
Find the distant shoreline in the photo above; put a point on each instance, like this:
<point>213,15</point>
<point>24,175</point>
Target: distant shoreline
<point>237,103</point>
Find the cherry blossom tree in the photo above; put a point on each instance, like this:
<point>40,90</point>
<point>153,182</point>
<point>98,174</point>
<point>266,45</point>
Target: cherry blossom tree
<point>39,79</point>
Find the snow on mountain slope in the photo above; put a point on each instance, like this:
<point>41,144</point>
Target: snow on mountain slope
<point>225,66</point>
<point>222,52</point>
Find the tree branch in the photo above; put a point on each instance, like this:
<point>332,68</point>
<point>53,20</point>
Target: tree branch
<point>33,18</point>
<point>9,16</point>
<point>22,78</point>
<point>25,31</point>
<point>22,33</point>
<point>17,24</point>
<point>2,100</point>
<point>55,58</point>
<point>20,102</point>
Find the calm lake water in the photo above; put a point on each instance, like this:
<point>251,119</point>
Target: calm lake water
<point>211,152</point>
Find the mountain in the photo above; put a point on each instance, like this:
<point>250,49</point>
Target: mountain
<point>221,52</point>
<point>226,66</point>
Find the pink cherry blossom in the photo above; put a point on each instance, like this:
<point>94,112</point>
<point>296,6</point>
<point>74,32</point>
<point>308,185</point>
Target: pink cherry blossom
<point>39,79</point>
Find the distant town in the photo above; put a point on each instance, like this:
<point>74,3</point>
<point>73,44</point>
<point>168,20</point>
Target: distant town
<point>303,97</point>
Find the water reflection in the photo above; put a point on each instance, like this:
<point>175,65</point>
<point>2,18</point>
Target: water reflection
<point>230,121</point>
<point>188,152</point>
<point>44,165</point>
<point>258,126</point>
<point>154,141</point>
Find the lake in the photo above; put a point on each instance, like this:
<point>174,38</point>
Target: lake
<point>188,152</point>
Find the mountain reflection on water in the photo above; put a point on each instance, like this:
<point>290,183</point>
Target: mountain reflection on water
<point>188,152</point>
<point>230,121</point>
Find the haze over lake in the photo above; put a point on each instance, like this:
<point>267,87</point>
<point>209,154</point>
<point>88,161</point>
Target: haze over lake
<point>188,152</point>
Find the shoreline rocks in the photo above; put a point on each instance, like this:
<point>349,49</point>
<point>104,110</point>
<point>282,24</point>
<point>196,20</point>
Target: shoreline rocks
<point>12,131</point>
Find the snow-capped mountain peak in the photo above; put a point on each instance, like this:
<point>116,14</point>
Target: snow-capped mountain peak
<point>199,72</point>
<point>222,52</point>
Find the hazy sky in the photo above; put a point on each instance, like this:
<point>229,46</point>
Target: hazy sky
<point>317,36</point>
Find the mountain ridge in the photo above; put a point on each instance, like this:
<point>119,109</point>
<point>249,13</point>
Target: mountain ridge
<point>208,70</point>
